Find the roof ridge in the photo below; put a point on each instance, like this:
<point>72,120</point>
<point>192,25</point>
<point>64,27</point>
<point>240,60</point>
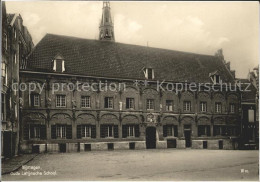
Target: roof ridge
<point>191,53</point>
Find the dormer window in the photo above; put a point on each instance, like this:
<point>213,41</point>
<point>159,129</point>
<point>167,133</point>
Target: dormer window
<point>215,77</point>
<point>149,73</point>
<point>58,64</point>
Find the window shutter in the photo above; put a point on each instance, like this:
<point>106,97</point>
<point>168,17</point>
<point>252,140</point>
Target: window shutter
<point>93,131</point>
<point>78,131</point>
<point>124,131</point>
<point>224,130</point>
<point>200,130</point>
<point>26,132</point>
<point>164,130</point>
<point>115,131</point>
<point>69,132</point>
<point>53,132</point>
<point>31,100</point>
<point>54,65</point>
<point>63,66</point>
<point>208,130</point>
<point>214,130</point>
<point>146,73</point>
<point>137,132</point>
<point>175,131</point>
<point>31,132</point>
<point>43,132</point>
<point>106,102</point>
<point>102,131</point>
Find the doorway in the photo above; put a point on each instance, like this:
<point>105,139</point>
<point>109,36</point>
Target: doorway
<point>150,137</point>
<point>62,147</point>
<point>187,135</point>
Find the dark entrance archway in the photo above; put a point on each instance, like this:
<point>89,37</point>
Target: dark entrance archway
<point>187,134</point>
<point>150,137</point>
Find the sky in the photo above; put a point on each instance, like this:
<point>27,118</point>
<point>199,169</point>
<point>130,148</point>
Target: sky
<point>197,27</point>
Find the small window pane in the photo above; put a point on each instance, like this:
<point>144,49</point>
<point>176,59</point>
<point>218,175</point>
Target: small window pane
<point>60,101</point>
<point>169,105</point>
<point>108,102</point>
<point>85,102</point>
<point>218,107</point>
<point>129,103</point>
<point>187,106</point>
<point>150,104</point>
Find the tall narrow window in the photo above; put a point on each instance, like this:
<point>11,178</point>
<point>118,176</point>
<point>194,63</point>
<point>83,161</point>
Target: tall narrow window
<point>131,131</point>
<point>36,132</point>
<point>3,106</point>
<point>150,104</point>
<point>170,131</point>
<point>35,100</point>
<point>203,106</point>
<point>187,106</point>
<point>3,65</point>
<point>129,103</point>
<point>15,58</point>
<point>108,104</point>
<point>59,65</point>
<point>232,108</point>
<point>5,41</point>
<point>169,105</point>
<point>218,107</point>
<point>14,33</point>
<point>61,131</point>
<point>60,101</point>
<point>150,73</point>
<point>85,101</point>
<point>86,131</point>
<point>217,79</point>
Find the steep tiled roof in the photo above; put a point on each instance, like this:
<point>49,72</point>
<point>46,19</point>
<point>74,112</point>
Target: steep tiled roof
<point>117,60</point>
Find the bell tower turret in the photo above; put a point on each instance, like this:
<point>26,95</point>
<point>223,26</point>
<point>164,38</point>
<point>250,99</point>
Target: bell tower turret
<point>106,27</point>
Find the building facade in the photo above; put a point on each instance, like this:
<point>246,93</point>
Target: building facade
<point>135,100</point>
<point>250,116</point>
<point>16,45</point>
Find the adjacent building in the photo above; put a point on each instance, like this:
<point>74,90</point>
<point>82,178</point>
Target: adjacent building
<point>16,45</point>
<point>250,116</point>
<point>135,101</point>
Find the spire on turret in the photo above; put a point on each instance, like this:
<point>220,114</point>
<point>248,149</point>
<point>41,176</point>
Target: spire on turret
<point>106,27</point>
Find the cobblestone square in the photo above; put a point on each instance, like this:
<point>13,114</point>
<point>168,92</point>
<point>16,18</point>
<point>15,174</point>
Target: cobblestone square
<point>170,165</point>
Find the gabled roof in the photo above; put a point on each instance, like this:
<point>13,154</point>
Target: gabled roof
<point>118,60</point>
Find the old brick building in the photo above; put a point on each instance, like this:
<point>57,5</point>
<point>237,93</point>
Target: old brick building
<point>16,45</point>
<point>137,117</point>
<point>250,112</point>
